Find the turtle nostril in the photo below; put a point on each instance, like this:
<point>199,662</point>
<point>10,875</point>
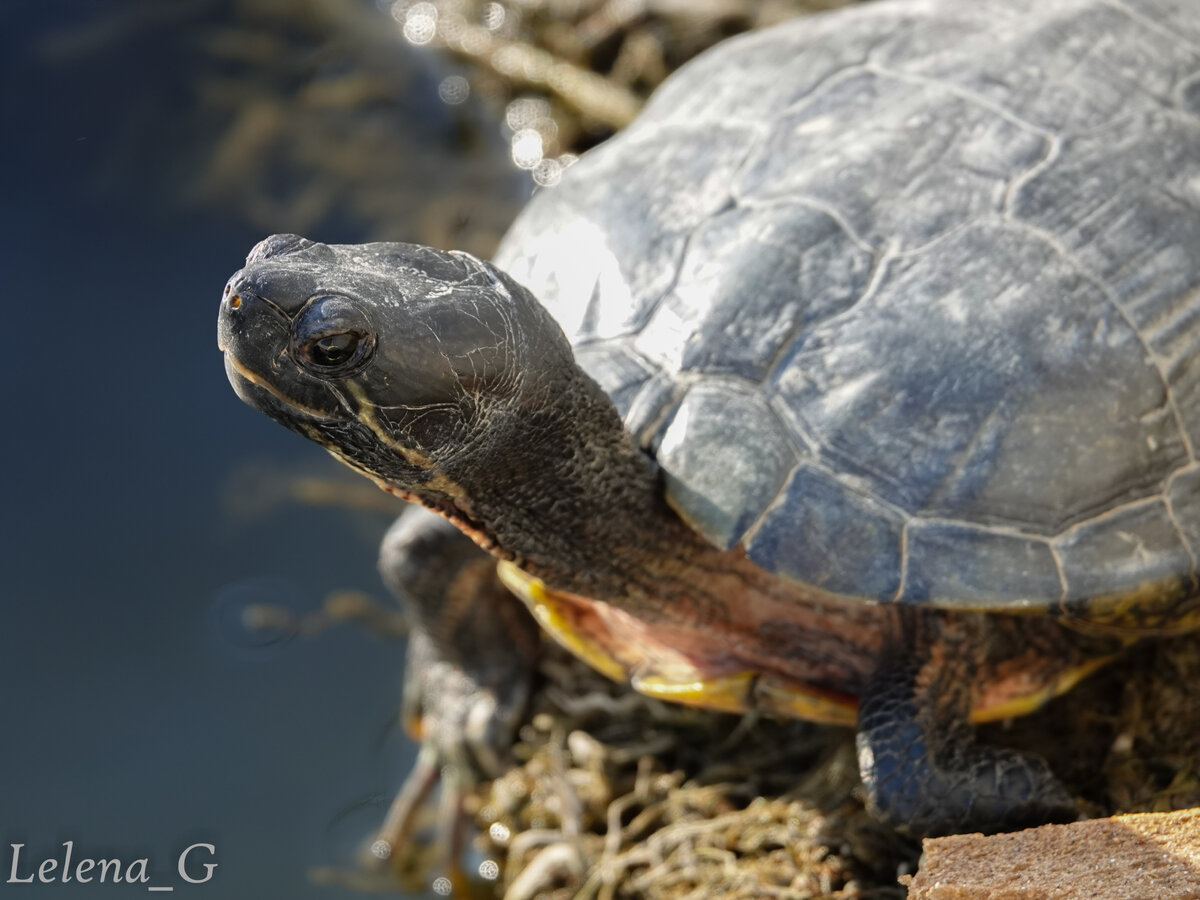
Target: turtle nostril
<point>236,302</point>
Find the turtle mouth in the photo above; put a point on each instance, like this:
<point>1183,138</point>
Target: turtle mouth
<point>258,393</point>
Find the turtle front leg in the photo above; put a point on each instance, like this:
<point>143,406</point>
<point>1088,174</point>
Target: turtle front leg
<point>472,651</point>
<point>921,767</point>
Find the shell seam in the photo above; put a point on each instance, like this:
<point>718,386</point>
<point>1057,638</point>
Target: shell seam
<point>816,205</point>
<point>904,556</point>
<point>843,73</point>
<point>1062,573</point>
<point>1019,181</point>
<point>881,259</point>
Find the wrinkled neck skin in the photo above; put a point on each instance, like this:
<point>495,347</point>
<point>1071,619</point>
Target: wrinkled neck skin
<point>553,482</point>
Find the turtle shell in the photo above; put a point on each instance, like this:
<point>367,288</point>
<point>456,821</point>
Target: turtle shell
<point>905,300</point>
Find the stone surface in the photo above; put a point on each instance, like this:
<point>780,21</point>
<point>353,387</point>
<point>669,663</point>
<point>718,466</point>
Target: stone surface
<point>1135,857</point>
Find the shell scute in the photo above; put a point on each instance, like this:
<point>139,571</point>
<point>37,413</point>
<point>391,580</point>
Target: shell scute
<point>974,567</point>
<point>725,457</point>
<point>751,278</point>
<point>1117,553</point>
<point>822,532</point>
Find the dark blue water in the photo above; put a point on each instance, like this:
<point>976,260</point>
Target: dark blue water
<point>139,717</point>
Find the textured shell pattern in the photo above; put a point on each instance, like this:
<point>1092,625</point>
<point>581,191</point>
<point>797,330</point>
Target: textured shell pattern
<point>906,300</point>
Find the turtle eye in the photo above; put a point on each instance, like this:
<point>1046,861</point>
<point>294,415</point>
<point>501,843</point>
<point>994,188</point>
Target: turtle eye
<point>334,349</point>
<point>332,336</point>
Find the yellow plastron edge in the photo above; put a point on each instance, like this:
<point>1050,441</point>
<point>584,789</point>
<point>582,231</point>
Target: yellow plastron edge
<point>728,694</point>
<point>549,614</point>
<point>1023,706</point>
<point>733,693</point>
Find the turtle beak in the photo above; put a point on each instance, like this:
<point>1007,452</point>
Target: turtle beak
<point>254,334</point>
<point>246,321</point>
<point>230,303</point>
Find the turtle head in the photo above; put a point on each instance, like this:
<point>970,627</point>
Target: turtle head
<point>395,357</point>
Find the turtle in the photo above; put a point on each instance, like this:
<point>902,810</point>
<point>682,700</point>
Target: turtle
<point>858,381</point>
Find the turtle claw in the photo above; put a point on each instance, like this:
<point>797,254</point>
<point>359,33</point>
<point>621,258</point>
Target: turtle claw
<point>401,820</point>
<point>471,655</point>
<point>396,841</point>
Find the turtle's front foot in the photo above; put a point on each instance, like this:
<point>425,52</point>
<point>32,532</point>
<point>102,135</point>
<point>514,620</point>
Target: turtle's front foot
<point>465,730</point>
<point>921,767</point>
<point>471,656</point>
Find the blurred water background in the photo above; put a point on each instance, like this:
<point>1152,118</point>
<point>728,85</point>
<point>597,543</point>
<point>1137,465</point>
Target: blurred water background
<point>147,147</point>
